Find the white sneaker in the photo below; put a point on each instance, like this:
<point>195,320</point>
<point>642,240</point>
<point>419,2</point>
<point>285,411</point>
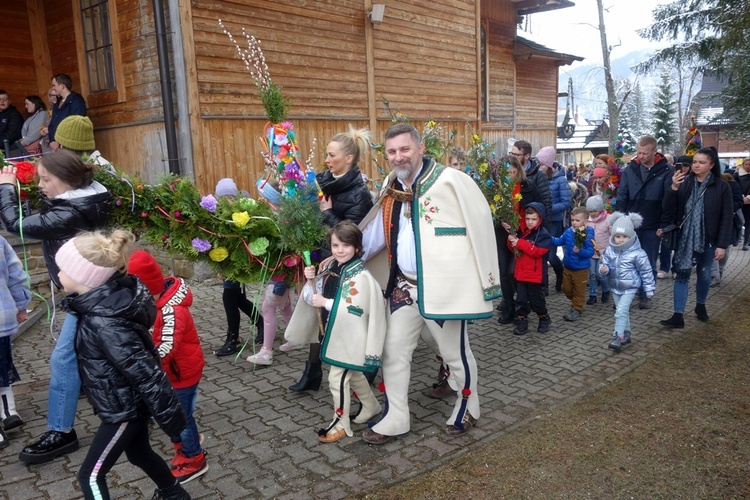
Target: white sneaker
<point>289,346</point>
<point>263,357</point>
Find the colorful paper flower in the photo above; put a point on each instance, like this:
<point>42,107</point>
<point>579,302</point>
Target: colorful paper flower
<point>218,254</point>
<point>201,245</point>
<point>258,246</point>
<point>209,203</point>
<point>240,218</point>
<point>25,172</point>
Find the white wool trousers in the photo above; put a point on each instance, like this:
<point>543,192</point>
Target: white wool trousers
<point>402,334</point>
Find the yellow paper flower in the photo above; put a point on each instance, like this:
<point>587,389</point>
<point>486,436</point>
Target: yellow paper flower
<point>517,197</point>
<point>431,124</point>
<point>497,197</point>
<point>240,218</point>
<point>218,254</point>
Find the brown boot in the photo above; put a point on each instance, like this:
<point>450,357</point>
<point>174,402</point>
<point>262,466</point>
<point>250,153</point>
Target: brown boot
<point>442,389</point>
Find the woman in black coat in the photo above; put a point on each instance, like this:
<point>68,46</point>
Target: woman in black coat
<point>73,202</point>
<point>345,197</point>
<point>701,203</point>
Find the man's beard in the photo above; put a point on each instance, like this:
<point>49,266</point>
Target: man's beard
<point>404,173</point>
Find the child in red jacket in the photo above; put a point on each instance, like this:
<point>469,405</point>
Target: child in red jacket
<point>531,246</point>
<point>177,342</point>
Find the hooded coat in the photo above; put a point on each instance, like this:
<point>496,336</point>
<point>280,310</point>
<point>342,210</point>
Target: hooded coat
<point>120,369</point>
<point>175,335</point>
<point>628,267</point>
<point>533,245</point>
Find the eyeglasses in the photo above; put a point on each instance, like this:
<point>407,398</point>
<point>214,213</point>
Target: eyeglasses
<point>4,99</point>
<point>518,155</point>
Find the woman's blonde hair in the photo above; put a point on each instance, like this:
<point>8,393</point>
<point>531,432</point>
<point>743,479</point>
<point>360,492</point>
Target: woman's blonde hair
<point>106,250</point>
<point>512,161</point>
<point>353,142</point>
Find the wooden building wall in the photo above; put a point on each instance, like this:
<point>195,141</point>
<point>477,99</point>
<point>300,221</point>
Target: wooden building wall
<point>19,76</point>
<point>522,93</point>
<point>322,68</point>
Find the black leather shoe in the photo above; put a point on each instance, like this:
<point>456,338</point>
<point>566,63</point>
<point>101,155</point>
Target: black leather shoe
<point>51,445</point>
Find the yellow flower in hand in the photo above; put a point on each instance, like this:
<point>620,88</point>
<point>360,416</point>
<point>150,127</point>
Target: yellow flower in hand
<point>218,254</point>
<point>240,218</point>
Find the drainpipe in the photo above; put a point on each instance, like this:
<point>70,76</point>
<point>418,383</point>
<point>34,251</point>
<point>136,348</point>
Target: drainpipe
<point>184,139</point>
<point>166,88</point>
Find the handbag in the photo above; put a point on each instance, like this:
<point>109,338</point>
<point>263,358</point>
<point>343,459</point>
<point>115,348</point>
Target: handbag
<point>671,236</point>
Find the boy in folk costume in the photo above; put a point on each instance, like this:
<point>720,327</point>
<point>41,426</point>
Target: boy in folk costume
<point>352,309</point>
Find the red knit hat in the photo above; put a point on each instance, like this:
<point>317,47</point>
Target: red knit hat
<point>145,267</point>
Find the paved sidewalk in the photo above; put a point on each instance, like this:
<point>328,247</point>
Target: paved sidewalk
<point>261,438</point>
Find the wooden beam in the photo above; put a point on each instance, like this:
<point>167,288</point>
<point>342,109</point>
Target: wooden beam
<point>39,46</point>
<point>480,82</point>
<point>201,155</point>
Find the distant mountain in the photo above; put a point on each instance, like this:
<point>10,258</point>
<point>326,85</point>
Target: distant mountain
<point>589,94</point>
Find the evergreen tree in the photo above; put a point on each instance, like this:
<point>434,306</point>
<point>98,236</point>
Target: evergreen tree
<point>664,124</point>
<point>626,130</point>
<point>714,32</point>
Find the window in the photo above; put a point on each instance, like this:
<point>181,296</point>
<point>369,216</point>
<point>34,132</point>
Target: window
<point>97,37</point>
<point>98,49</point>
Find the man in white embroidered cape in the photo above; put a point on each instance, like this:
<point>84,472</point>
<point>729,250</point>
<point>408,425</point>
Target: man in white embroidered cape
<point>435,228</point>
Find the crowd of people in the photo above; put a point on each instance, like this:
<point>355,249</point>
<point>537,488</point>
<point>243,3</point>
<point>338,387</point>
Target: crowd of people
<point>130,342</point>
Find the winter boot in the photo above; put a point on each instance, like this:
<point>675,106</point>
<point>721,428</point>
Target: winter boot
<point>700,311</point>
<point>592,300</point>
<point>676,321</point>
<point>8,412</point>
<point>311,378</point>
<point>626,338</point>
<point>616,344</point>
<point>522,327</point>
<point>544,324</point>
<point>558,281</point>
<point>259,330</point>
<point>231,345</point>
<point>508,315</point>
<point>174,492</point>
<point>572,315</point>
<point>605,297</point>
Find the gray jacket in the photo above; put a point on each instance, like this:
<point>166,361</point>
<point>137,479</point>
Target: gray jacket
<point>629,267</point>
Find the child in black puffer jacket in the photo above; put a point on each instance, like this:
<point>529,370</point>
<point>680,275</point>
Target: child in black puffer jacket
<point>120,369</point>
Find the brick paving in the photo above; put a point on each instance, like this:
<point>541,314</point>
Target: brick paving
<point>261,437</point>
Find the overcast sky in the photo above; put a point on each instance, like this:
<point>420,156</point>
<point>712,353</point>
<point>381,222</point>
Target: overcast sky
<point>574,30</point>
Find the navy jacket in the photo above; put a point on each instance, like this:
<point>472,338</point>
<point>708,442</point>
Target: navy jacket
<point>644,195</point>
<point>73,105</point>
